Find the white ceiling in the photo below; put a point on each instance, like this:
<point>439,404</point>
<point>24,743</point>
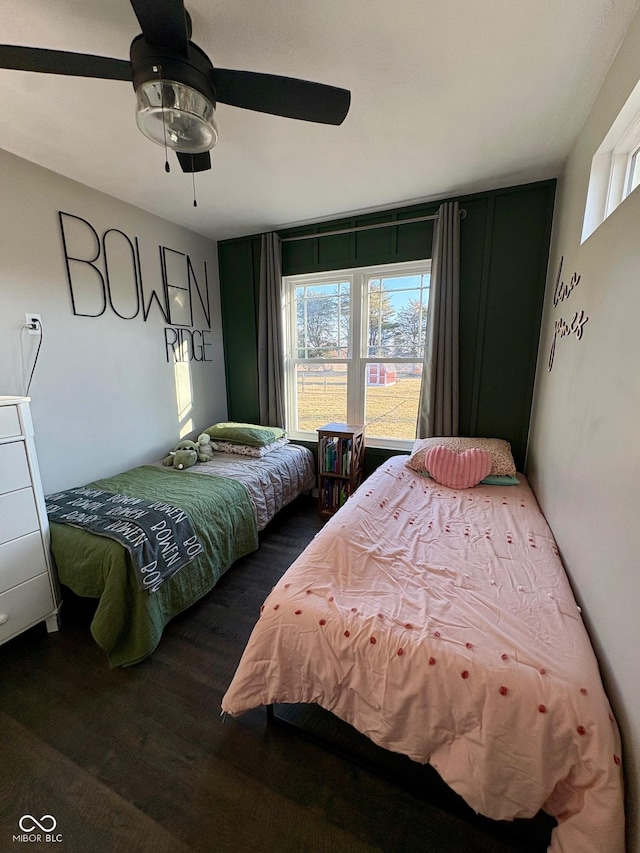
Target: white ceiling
<point>448,97</point>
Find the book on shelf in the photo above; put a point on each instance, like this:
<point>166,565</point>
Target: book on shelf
<point>336,456</point>
<point>335,494</point>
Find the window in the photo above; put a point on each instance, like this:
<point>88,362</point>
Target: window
<point>634,172</point>
<point>354,349</point>
<point>615,168</point>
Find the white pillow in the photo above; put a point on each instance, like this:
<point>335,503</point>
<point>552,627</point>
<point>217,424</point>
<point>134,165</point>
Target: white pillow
<point>502,463</point>
<point>248,450</point>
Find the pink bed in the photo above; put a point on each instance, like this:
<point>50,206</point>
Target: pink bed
<point>441,624</point>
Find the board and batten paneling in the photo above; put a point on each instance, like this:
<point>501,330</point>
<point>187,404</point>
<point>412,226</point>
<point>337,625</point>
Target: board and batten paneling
<point>504,247</point>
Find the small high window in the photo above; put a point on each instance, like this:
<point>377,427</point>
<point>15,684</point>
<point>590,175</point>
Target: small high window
<point>615,168</point>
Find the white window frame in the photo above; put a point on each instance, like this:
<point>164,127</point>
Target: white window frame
<point>609,181</point>
<point>358,359</point>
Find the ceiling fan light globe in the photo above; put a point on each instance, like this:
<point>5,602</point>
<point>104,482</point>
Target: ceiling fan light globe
<point>176,115</point>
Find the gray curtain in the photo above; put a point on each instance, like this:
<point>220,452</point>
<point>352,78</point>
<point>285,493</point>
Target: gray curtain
<point>438,409</point>
<point>270,338</point>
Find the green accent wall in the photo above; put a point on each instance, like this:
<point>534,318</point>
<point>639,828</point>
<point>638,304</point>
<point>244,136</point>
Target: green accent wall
<point>504,247</point>
<point>239,264</point>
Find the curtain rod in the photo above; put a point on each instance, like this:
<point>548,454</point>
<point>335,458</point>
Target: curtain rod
<point>463,213</point>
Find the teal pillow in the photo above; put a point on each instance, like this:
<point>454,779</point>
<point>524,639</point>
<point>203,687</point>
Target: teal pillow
<point>491,480</point>
<point>500,480</point>
<point>239,433</point>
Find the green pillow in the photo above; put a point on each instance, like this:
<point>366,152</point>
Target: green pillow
<point>252,434</point>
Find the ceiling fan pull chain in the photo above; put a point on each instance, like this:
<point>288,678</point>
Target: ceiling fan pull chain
<point>193,179</point>
<point>158,70</point>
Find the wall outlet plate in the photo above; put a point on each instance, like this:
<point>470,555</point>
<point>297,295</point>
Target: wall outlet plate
<point>33,323</point>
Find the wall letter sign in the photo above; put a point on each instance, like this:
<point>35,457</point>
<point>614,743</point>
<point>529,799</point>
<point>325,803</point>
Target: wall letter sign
<point>105,274</point>
<point>563,328</point>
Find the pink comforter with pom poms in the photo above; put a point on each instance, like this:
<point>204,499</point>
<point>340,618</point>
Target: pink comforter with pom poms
<point>441,624</point>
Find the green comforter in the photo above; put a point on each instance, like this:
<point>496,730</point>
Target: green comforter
<point>128,623</point>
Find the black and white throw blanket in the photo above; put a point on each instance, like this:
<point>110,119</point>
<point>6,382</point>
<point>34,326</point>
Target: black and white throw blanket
<point>158,536</point>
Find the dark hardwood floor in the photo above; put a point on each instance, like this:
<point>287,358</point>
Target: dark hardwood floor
<point>140,759</point>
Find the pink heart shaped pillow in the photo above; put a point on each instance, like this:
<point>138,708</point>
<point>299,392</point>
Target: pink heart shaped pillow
<point>457,470</point>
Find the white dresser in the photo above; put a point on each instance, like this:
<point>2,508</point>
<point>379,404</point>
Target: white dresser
<point>28,587</point>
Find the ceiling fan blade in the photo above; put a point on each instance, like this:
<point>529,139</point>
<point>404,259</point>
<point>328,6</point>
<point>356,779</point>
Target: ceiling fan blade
<point>194,162</point>
<point>164,22</point>
<point>282,96</point>
<point>63,62</point>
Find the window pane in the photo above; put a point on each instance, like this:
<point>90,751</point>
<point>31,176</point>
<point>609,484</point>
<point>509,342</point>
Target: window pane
<point>634,174</point>
<point>321,394</point>
<point>322,321</point>
<point>397,316</point>
<point>391,399</point>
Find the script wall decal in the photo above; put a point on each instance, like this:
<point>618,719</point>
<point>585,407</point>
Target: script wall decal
<point>563,328</point>
<point>104,274</point>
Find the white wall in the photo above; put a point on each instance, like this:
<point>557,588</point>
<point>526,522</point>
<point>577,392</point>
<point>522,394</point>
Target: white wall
<point>584,453</point>
<point>104,397</point>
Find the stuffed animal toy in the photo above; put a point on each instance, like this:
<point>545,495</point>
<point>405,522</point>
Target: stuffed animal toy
<point>206,447</point>
<point>183,456</point>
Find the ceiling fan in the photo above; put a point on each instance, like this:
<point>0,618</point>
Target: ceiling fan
<point>177,87</point>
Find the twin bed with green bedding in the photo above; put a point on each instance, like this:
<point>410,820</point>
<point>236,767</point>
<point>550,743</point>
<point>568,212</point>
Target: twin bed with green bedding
<point>228,501</point>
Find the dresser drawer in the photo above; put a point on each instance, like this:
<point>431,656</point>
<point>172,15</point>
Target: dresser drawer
<point>14,468</point>
<point>20,560</point>
<point>9,421</point>
<point>18,514</point>
<point>25,605</point>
